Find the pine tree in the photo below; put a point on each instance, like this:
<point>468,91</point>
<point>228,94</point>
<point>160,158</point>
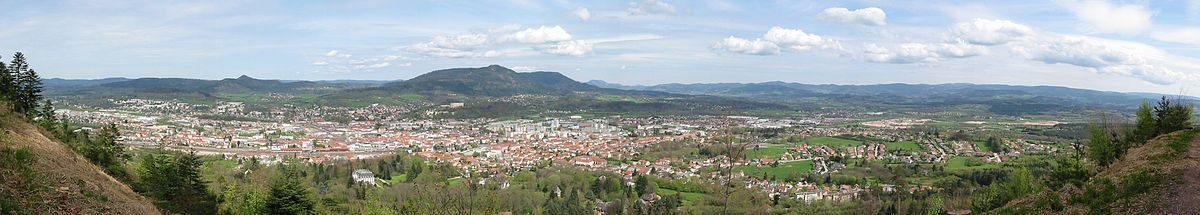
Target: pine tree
<point>47,116</point>
<point>288,196</point>
<point>29,91</point>
<point>8,79</point>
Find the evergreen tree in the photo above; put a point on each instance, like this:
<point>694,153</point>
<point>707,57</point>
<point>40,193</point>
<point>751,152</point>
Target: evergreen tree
<point>1146,125</point>
<point>288,196</point>
<point>1172,116</point>
<point>47,116</point>
<point>8,79</point>
<point>29,91</point>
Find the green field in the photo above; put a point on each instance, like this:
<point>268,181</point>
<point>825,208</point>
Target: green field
<point>960,162</point>
<point>982,146</point>
<point>833,141</point>
<point>770,152</point>
<point>688,197</point>
<point>412,97</point>
<point>903,145</point>
<point>782,171</point>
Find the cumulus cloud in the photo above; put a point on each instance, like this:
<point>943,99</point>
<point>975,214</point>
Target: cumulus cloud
<point>777,39</point>
<point>1104,17</point>
<point>871,16</point>
<point>744,46</point>
<point>990,32</point>
<point>582,13</point>
<point>573,48</point>
<point>797,40</point>
<point>1179,35</point>
<point>921,52</point>
<point>649,7</point>
<point>541,34</point>
<point>320,63</point>
<point>1107,56</point>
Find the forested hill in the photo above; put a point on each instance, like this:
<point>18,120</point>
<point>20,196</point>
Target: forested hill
<point>1059,95</point>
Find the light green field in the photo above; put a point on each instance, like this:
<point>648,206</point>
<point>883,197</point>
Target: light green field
<point>833,141</point>
<point>782,171</point>
<point>903,145</point>
<point>688,197</point>
<point>960,162</point>
<point>771,152</point>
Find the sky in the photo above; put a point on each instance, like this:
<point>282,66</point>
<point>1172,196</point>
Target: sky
<point>1127,46</point>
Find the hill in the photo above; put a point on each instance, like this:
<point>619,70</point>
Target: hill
<point>1161,176</point>
<point>41,175</point>
<point>1002,99</point>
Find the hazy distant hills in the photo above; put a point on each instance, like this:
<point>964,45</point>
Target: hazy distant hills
<point>493,88</point>
<point>913,93</point>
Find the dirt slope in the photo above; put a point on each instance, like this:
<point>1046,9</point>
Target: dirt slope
<point>1169,163</point>
<point>68,183</point>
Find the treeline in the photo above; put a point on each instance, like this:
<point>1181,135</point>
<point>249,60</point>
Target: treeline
<point>1110,138</point>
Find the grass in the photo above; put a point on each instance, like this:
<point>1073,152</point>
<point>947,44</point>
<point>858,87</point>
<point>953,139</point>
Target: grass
<point>960,162</point>
<point>833,141</point>
<point>1176,145</point>
<point>397,178</point>
<point>903,145</point>
<point>688,197</point>
<point>782,171</point>
<point>412,97</point>
<point>982,146</point>
<point>771,152</point>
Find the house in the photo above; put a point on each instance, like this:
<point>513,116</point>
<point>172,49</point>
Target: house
<point>363,176</point>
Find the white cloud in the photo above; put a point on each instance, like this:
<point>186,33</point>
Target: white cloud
<point>320,63</point>
<point>775,40</point>
<point>541,34</point>
<point>428,49</point>
<point>335,53</point>
<point>990,32</point>
<point>921,52</point>
<point>1107,56</point>
<point>373,66</point>
<point>871,16</point>
<point>582,13</point>
<point>461,42</point>
<point>1104,17</point>
<point>797,40</point>
<point>523,68</point>
<point>505,29</point>
<point>1179,35</point>
<point>649,7</point>
<point>573,48</point>
<point>744,46</point>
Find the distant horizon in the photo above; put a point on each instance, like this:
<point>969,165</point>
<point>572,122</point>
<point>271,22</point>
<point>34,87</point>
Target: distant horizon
<point>1142,46</point>
<point>649,85</point>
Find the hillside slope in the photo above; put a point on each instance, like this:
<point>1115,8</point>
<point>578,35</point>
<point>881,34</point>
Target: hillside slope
<point>1159,177</point>
<point>61,181</point>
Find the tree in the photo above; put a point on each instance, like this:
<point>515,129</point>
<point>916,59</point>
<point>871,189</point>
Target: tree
<point>1103,144</point>
<point>1146,126</point>
<point>47,116</point>
<point>1172,116</point>
<point>288,196</point>
<point>173,179</point>
<point>29,91</point>
<point>8,79</point>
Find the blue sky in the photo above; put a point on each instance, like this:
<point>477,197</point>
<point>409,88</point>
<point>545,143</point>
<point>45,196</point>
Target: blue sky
<point>1147,46</point>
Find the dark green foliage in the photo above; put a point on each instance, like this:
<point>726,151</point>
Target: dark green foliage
<point>1172,115</point>
<point>15,167</point>
<point>1101,193</point>
<point>173,180</point>
<point>289,196</point>
<point>995,144</point>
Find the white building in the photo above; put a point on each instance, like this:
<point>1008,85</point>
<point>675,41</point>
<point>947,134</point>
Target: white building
<point>363,176</point>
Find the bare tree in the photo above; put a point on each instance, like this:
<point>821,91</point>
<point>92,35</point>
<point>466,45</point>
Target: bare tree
<point>734,151</point>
